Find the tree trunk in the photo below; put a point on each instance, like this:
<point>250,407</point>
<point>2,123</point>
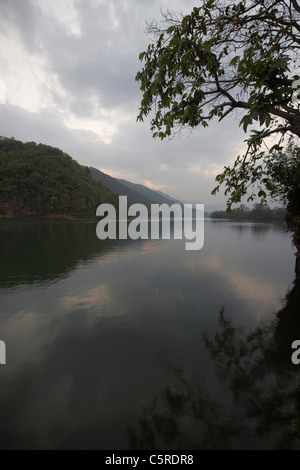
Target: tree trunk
<point>293,224</point>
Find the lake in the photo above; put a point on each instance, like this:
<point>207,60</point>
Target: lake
<point>144,345</point>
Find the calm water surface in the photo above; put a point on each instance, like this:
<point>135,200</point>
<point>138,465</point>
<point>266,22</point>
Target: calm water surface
<point>143,345</point>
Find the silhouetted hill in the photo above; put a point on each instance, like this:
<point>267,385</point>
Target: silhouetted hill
<point>166,196</point>
<point>155,196</point>
<point>118,187</point>
<point>136,193</point>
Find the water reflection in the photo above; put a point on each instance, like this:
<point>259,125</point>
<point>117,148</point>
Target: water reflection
<point>260,406</point>
<point>93,327</point>
<point>257,229</point>
<point>34,252</point>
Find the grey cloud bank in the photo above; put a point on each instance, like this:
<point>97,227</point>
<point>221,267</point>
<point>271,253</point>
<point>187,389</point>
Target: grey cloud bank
<point>69,68</point>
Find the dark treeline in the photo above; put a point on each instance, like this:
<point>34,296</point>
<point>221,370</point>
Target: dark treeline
<point>259,212</point>
<point>39,180</point>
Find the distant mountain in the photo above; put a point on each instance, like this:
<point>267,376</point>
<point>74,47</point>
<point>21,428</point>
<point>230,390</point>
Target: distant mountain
<point>157,197</point>
<point>116,186</point>
<point>136,193</point>
<point>166,196</point>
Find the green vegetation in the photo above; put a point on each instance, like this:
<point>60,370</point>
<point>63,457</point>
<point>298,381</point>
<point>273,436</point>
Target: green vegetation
<point>238,58</point>
<point>221,59</point>
<point>260,212</point>
<point>39,180</point>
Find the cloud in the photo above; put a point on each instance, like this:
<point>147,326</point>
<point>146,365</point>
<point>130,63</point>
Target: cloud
<point>63,12</point>
<point>69,70</point>
<point>22,17</point>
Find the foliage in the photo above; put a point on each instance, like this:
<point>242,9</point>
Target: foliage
<point>282,173</point>
<point>275,173</point>
<point>39,180</point>
<point>237,57</point>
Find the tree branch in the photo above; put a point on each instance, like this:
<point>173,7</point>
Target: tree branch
<point>296,6</point>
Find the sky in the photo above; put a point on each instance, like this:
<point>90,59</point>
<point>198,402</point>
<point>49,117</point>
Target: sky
<point>67,71</point>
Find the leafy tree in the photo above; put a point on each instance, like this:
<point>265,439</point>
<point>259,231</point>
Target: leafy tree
<point>284,181</point>
<point>224,58</point>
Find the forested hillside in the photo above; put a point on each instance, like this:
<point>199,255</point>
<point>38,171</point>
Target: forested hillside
<point>39,180</point>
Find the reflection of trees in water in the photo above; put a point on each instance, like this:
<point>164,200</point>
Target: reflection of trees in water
<point>257,229</point>
<point>47,250</point>
<point>261,389</point>
<point>184,417</point>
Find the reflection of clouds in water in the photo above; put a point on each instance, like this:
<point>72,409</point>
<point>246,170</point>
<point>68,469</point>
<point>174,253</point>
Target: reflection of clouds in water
<point>149,246</point>
<point>244,286</point>
<point>87,350</point>
<point>213,263</point>
<point>21,324</point>
<point>207,264</point>
<point>97,297</point>
<point>249,289</point>
<point>125,249</point>
<point>94,303</point>
<point>24,337</point>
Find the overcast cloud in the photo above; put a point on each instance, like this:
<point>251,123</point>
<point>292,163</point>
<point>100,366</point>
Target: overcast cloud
<point>69,69</point>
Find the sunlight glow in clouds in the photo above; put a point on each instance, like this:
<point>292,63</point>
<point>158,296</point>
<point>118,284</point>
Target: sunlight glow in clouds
<point>157,187</point>
<point>207,170</point>
<point>30,86</point>
<point>2,92</point>
<point>104,126</point>
<point>64,12</point>
<point>69,69</point>
<point>23,75</point>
